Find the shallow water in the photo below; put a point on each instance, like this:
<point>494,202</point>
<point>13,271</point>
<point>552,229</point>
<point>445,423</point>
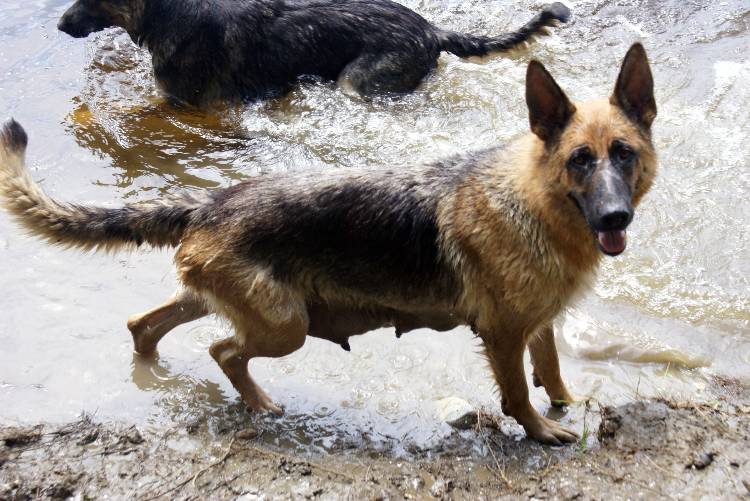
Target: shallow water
<point>663,318</point>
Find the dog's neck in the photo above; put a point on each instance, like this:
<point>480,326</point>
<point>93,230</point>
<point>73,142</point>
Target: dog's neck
<point>131,19</point>
<point>143,25</point>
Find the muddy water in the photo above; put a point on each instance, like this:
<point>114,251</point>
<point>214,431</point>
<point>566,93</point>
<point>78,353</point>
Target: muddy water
<point>671,312</point>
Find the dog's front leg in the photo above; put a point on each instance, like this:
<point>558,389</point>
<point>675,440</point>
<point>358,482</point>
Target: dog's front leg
<point>547,366</point>
<point>505,349</point>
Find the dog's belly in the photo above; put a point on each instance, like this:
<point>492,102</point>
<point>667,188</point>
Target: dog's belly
<point>338,323</point>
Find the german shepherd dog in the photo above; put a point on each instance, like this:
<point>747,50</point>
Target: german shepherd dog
<point>214,50</point>
<point>501,240</point>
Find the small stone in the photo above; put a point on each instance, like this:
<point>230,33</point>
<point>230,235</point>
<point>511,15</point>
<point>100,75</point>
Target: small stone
<point>134,436</point>
<point>88,437</point>
<point>246,434</point>
<point>59,491</point>
<point>18,437</point>
<point>457,412</point>
<point>747,485</point>
<point>417,483</point>
<point>192,427</point>
<point>702,460</point>
<point>251,496</point>
<point>441,487</point>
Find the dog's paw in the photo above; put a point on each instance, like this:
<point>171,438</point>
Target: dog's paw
<point>262,404</point>
<point>563,400</point>
<point>266,409</point>
<point>549,432</point>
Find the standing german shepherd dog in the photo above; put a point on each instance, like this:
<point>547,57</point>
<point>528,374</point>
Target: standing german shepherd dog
<point>211,50</point>
<point>500,240</point>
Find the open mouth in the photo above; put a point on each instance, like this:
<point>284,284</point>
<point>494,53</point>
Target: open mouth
<point>612,242</point>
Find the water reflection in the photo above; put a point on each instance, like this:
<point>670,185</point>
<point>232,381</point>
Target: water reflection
<point>181,395</point>
<point>183,147</point>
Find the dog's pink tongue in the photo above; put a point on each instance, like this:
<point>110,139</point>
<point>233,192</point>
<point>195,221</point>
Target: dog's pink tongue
<point>613,242</point>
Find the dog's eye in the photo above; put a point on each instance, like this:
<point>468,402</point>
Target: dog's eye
<point>622,152</point>
<point>580,159</point>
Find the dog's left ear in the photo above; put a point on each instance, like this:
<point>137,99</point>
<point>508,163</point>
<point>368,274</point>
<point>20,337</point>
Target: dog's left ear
<point>634,91</point>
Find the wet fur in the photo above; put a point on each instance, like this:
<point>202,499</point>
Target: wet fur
<point>206,51</point>
<point>491,240</point>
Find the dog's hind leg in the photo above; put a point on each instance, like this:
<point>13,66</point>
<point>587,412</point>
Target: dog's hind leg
<point>390,72</point>
<point>150,327</point>
<point>257,337</point>
<point>547,367</point>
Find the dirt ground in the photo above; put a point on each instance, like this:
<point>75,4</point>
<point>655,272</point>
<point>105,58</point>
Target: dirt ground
<point>651,449</point>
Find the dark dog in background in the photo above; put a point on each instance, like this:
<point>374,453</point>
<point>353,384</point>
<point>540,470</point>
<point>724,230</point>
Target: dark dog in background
<point>501,240</point>
<point>212,50</point>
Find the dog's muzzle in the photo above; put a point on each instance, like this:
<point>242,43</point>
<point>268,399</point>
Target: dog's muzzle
<point>77,23</point>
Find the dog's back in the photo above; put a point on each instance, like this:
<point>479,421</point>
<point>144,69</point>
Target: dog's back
<point>259,49</point>
<point>371,235</point>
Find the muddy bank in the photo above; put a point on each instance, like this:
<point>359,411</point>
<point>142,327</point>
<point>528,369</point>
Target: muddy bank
<point>651,449</point>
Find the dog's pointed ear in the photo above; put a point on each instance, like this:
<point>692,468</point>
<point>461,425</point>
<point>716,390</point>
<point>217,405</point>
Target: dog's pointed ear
<point>634,91</point>
<point>549,107</point>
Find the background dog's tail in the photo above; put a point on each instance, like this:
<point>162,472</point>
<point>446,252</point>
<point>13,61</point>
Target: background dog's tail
<point>157,223</point>
<point>464,45</point>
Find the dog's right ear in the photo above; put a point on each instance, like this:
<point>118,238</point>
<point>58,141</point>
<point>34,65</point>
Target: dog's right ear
<point>549,107</point>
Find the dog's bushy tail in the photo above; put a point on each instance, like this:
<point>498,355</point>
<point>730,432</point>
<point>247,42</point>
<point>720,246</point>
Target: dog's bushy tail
<point>464,45</point>
<point>160,224</point>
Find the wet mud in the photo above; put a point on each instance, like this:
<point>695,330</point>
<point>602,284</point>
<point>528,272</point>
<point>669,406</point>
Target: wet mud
<point>649,449</point>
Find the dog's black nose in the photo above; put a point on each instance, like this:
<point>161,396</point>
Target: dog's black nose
<point>617,219</point>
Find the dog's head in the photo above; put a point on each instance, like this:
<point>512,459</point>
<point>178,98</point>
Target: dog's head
<point>599,152</point>
<point>89,16</point>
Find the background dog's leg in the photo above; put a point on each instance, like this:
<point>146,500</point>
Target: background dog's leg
<point>384,73</point>
<point>547,366</point>
<point>505,352</point>
<point>255,337</point>
<point>148,328</point>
